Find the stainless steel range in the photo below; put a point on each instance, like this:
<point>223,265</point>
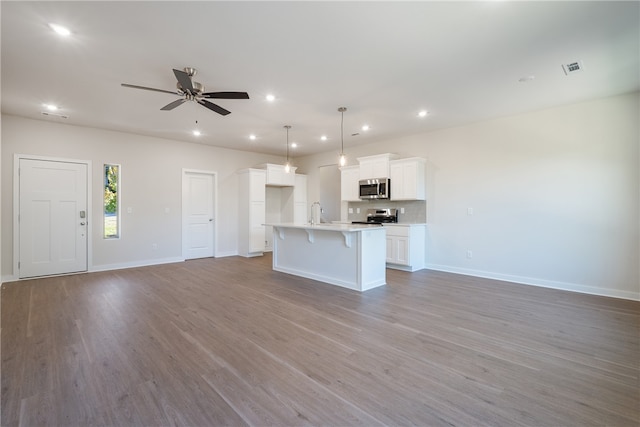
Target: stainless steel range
<point>380,216</point>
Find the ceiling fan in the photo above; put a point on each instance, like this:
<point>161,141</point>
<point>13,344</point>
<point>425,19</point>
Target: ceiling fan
<point>191,90</point>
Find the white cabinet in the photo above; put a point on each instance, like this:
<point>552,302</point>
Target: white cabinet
<point>349,177</point>
<point>251,211</point>
<point>277,176</point>
<point>407,179</point>
<point>375,166</point>
<point>300,200</point>
<point>406,246</point>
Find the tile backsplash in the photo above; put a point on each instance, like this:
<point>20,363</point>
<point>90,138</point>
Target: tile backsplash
<point>415,211</point>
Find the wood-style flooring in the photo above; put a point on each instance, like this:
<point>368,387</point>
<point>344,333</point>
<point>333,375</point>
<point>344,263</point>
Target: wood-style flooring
<point>230,342</point>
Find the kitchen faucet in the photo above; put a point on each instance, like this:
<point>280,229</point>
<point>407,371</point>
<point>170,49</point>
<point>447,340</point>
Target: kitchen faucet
<point>312,219</point>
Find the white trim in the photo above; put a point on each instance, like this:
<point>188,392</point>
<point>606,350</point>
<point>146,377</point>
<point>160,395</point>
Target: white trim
<point>552,284</point>
<point>226,254</point>
<point>134,264</point>
<point>105,267</point>
<point>16,205</point>
<point>214,174</point>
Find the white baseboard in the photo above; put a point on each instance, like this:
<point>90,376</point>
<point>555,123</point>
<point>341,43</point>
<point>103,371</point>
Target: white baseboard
<point>133,264</point>
<point>226,254</point>
<point>9,278</point>
<point>573,287</point>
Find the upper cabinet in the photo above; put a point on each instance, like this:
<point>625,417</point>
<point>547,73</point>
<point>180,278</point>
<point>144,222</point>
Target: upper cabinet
<point>277,176</point>
<point>349,177</point>
<point>407,179</point>
<point>375,166</point>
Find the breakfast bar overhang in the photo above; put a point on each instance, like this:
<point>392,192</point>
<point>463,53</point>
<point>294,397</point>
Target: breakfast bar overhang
<point>347,255</point>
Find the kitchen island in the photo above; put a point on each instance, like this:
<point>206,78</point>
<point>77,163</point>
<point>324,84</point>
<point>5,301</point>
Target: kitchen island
<point>347,255</point>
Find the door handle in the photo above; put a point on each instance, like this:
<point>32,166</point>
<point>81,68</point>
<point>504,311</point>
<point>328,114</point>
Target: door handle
<point>210,219</point>
<point>82,223</point>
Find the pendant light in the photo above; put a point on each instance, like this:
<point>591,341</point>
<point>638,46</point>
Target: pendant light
<point>287,166</point>
<point>343,159</point>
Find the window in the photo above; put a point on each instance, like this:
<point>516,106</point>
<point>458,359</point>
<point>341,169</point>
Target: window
<point>111,201</point>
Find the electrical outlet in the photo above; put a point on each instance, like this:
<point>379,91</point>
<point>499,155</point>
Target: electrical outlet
<point>469,254</point>
<point>350,210</point>
<point>154,246</point>
<point>401,210</point>
<point>357,210</point>
<point>469,211</point>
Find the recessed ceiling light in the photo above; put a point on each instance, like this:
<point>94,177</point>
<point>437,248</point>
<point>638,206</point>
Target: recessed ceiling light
<point>423,113</point>
<point>50,107</point>
<point>365,127</point>
<point>294,145</point>
<point>323,138</point>
<point>252,137</point>
<point>197,132</point>
<point>63,31</point>
<point>271,98</point>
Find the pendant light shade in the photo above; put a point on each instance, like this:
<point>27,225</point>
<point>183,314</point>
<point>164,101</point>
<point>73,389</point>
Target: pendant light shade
<point>343,158</point>
<point>287,166</point>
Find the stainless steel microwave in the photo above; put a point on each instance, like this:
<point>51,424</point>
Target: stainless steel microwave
<point>378,188</point>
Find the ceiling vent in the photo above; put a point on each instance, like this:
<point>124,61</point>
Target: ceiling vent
<point>572,67</point>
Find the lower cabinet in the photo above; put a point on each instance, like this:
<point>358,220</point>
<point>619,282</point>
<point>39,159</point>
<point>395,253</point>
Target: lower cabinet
<point>406,246</point>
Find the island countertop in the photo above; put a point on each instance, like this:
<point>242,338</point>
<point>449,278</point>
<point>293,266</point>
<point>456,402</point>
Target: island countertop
<point>325,226</point>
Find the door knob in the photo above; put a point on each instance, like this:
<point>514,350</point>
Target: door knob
<point>82,223</point>
<point>210,219</point>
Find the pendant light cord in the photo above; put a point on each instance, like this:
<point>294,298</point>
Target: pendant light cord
<point>342,131</point>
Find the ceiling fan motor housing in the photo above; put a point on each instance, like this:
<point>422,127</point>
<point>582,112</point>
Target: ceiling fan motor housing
<point>198,88</point>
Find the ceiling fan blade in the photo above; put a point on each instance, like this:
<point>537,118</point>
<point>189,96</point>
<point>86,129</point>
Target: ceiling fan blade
<point>173,104</point>
<point>184,80</point>
<point>226,95</point>
<point>149,88</point>
<point>213,107</point>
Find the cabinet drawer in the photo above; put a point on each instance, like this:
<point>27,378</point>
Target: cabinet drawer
<point>397,231</point>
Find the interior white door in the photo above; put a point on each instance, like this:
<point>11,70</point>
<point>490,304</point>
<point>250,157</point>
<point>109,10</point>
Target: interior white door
<point>52,217</point>
<point>198,215</point>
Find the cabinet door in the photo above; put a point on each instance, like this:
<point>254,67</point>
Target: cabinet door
<point>380,169</point>
<point>256,229</point>
<point>397,177</point>
<point>349,184</point>
<point>402,250</point>
<point>390,249</point>
<point>300,213</point>
<point>257,182</point>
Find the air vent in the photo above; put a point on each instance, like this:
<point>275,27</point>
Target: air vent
<point>572,67</point>
<point>46,113</point>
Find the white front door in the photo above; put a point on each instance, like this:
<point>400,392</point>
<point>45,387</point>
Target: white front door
<point>52,217</point>
<point>198,215</point>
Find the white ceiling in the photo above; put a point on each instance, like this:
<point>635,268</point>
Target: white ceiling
<point>384,61</point>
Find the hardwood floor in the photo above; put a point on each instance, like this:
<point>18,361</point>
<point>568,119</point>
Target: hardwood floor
<point>231,342</point>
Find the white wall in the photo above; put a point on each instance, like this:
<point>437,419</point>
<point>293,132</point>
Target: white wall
<point>151,181</point>
<point>555,195</point>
